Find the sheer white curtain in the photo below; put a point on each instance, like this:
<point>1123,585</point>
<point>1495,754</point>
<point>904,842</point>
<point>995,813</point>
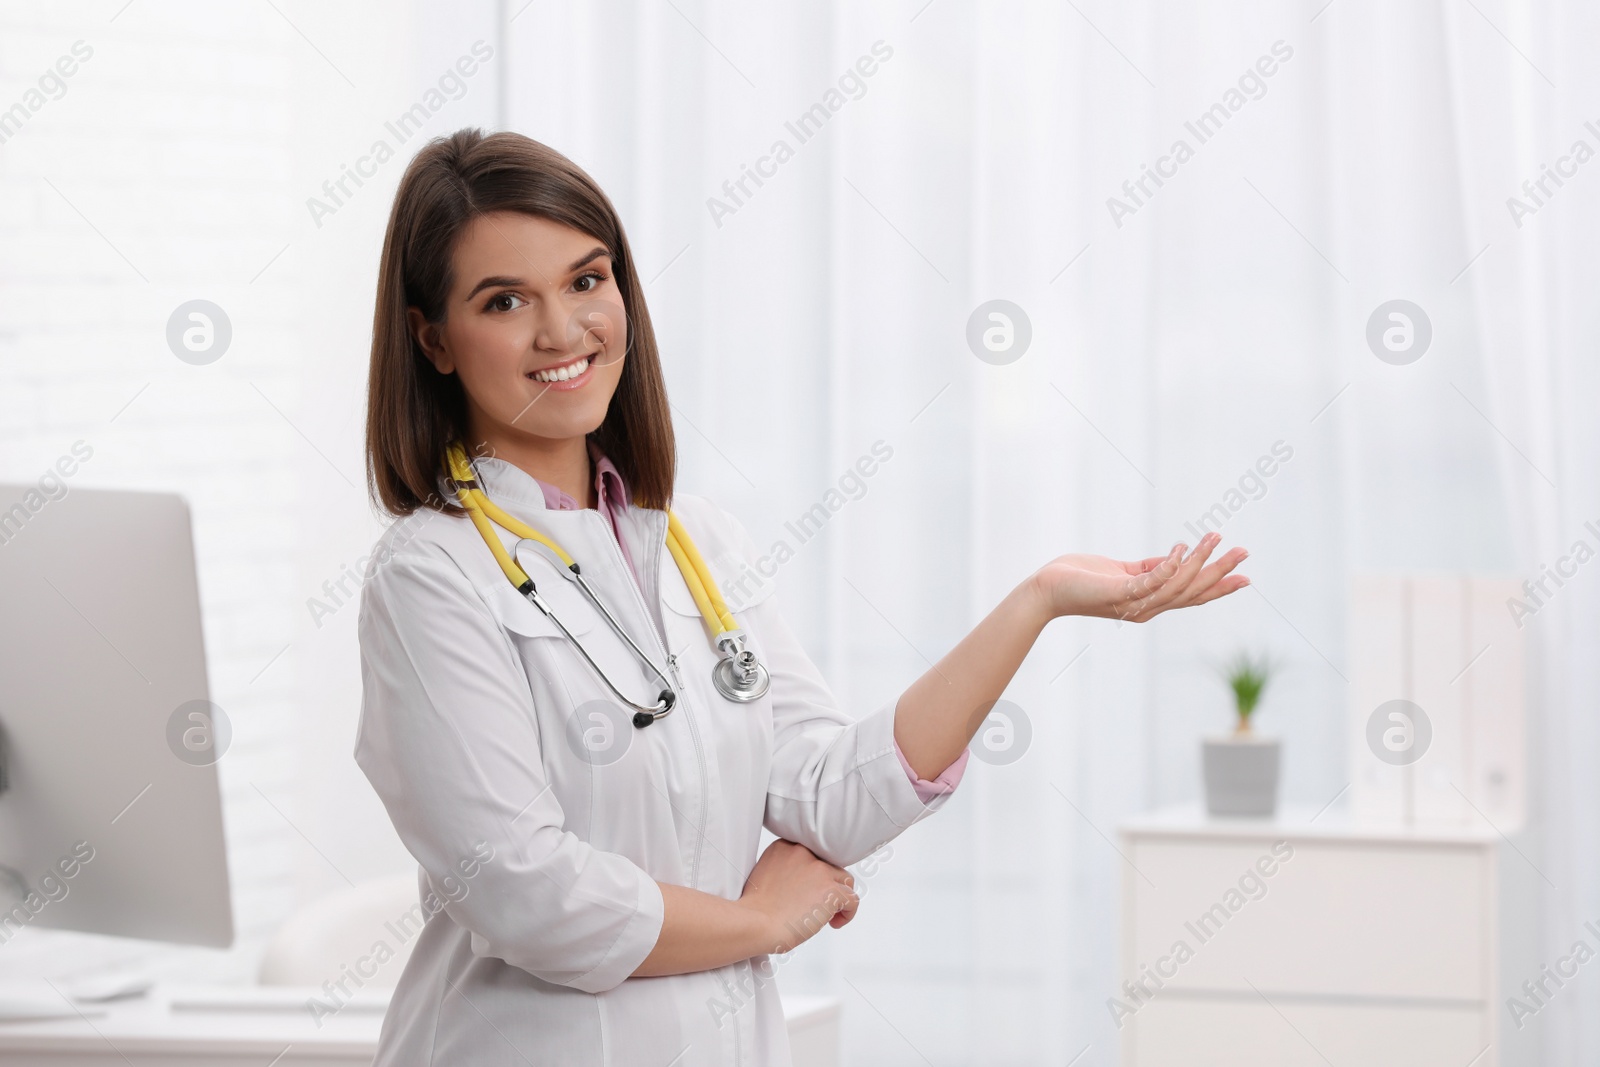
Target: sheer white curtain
<point>1175,341</point>
<point>1517,117</point>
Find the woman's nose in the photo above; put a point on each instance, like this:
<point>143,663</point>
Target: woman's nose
<point>550,331</point>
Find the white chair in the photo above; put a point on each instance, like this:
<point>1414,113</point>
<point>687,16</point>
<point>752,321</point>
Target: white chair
<point>338,937</point>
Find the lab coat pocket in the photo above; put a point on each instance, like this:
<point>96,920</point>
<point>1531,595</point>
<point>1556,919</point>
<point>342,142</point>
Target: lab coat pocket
<point>741,584</point>
<point>561,683</point>
<point>517,613</point>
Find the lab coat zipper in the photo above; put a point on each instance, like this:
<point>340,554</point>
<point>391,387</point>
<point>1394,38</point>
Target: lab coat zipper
<point>705,778</point>
<point>671,661</point>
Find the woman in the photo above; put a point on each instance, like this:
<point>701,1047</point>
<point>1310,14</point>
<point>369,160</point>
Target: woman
<point>585,801</point>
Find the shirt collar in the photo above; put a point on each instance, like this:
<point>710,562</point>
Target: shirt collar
<point>608,483</point>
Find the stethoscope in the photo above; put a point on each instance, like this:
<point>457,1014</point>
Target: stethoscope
<point>738,675</point>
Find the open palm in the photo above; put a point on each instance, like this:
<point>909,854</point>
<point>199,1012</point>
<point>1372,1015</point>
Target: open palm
<point>1140,590</point>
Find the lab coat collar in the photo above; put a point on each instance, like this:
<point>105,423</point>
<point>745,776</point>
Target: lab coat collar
<point>507,483</point>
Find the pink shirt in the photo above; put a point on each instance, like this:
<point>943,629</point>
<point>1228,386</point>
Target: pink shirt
<point>611,495</point>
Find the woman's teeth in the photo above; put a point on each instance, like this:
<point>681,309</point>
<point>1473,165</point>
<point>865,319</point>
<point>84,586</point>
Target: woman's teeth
<point>561,374</point>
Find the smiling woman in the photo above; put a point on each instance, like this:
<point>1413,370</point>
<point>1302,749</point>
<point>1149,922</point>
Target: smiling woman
<point>512,343</point>
<point>537,308</point>
<point>502,250</point>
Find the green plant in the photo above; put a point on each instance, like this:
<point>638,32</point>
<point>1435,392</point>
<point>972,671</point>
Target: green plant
<point>1247,676</point>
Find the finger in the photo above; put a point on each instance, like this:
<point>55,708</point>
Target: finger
<point>1144,566</point>
<point>846,913</point>
<point>1231,584</point>
<point>1207,576</point>
<point>1146,593</point>
<point>1211,575</point>
<point>1142,586</point>
<point>1174,589</point>
<point>1196,562</point>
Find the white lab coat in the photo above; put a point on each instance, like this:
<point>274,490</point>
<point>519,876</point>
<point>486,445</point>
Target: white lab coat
<point>468,734</point>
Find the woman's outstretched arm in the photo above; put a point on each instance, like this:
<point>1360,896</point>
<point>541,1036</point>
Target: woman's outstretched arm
<point>936,717</point>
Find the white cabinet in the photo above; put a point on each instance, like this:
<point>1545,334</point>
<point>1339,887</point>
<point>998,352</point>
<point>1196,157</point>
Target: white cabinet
<point>1306,939</point>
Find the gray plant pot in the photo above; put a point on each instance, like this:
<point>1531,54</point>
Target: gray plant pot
<point>1241,775</point>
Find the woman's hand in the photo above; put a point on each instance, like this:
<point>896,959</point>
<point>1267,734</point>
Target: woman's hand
<point>789,896</point>
<point>797,894</point>
<point>1111,589</point>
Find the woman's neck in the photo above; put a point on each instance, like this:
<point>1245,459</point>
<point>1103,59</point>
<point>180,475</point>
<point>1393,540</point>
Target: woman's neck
<point>563,463</point>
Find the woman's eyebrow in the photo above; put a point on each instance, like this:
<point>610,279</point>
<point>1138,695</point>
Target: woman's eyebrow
<point>494,281</point>
<point>598,251</point>
<point>504,281</point>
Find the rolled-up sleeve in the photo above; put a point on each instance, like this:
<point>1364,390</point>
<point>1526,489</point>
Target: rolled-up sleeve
<point>449,742</point>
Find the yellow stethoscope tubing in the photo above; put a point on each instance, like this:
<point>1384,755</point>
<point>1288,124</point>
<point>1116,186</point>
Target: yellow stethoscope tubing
<point>719,621</point>
<point>483,511</point>
<point>697,576</point>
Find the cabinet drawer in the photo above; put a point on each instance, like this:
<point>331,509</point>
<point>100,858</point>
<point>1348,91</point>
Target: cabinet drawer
<point>1345,918</point>
<point>1178,1031</point>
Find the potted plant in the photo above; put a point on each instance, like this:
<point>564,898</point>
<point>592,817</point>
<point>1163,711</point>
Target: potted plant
<point>1241,770</point>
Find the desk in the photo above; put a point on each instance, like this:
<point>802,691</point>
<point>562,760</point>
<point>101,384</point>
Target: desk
<point>252,1026</point>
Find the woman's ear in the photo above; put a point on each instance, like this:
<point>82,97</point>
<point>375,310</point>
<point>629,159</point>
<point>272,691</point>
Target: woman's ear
<point>427,335</point>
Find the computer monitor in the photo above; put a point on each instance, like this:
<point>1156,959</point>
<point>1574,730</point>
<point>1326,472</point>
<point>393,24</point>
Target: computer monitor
<point>110,815</point>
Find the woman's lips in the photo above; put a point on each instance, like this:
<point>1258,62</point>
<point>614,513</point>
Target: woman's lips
<point>580,369</point>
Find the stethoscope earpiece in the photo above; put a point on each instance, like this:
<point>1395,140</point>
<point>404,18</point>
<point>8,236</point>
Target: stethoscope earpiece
<point>665,701</point>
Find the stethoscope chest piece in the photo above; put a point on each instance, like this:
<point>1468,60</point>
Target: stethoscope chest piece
<point>740,677</point>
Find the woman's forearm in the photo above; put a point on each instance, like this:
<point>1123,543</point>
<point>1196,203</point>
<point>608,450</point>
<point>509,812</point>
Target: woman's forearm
<point>789,896</point>
<point>941,711</point>
<point>937,716</point>
<point>702,931</point>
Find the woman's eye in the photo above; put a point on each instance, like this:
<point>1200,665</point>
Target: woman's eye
<point>592,280</point>
<point>505,302</point>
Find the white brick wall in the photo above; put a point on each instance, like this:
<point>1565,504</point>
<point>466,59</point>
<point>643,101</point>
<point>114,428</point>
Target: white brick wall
<point>172,141</point>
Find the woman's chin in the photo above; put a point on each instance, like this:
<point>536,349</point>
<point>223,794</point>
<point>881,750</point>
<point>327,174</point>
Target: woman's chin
<point>554,426</point>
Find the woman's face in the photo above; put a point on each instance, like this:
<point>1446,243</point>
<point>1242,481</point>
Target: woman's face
<point>534,326</point>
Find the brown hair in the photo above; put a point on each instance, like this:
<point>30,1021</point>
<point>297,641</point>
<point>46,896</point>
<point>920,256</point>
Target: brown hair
<point>413,411</point>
